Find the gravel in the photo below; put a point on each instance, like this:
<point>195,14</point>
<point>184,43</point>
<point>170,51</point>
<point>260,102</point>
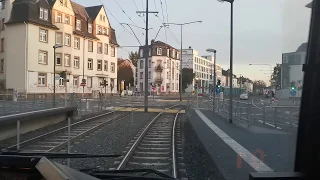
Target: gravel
<point>111,139</point>
<point>198,162</point>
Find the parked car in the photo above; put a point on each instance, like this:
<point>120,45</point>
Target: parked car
<point>244,96</point>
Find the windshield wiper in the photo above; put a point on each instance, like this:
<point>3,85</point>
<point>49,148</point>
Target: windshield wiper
<point>55,155</point>
<point>127,174</point>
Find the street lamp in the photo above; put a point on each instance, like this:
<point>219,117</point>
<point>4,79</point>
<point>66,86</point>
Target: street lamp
<point>181,24</point>
<point>54,72</point>
<point>231,56</point>
<point>214,73</point>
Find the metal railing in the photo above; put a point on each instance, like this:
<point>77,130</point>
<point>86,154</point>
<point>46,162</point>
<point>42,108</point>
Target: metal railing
<point>249,113</point>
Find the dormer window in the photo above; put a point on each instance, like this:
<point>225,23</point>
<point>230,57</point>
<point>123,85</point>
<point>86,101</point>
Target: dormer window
<point>159,51</point>
<point>173,53</point>
<point>66,3</point>
<point>141,52</point>
<point>104,18</point>
<point>59,18</point>
<point>103,30</point>
<point>78,25</point>
<point>43,14</point>
<point>90,28</point>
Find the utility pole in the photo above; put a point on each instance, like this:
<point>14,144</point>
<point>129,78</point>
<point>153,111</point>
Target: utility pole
<point>146,55</point>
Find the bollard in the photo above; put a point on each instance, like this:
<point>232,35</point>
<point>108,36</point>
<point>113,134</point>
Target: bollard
<point>18,135</point>
<point>69,138</point>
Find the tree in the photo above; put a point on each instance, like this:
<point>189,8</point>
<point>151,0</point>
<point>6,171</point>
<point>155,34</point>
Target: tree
<point>187,79</point>
<point>125,73</point>
<point>134,56</point>
<point>276,75</point>
<point>257,85</point>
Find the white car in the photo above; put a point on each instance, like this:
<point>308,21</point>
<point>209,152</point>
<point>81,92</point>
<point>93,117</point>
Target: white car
<point>244,96</point>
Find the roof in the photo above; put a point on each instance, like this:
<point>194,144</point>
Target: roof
<point>93,11</point>
<point>302,48</point>
<point>28,11</point>
<point>309,5</point>
<point>113,38</point>
<point>80,11</point>
<point>159,43</point>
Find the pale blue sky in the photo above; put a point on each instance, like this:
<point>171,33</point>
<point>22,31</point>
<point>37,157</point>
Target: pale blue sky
<point>263,29</point>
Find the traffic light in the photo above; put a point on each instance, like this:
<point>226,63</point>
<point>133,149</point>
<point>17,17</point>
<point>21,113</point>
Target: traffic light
<point>218,83</point>
<point>104,83</point>
<point>293,86</point>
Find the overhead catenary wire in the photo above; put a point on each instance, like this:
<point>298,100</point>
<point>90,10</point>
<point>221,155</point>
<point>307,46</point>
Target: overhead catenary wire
<point>138,10</point>
<point>166,26</point>
<point>165,30</point>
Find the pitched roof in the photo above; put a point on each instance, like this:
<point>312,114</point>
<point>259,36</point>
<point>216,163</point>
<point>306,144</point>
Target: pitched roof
<point>93,11</point>
<point>309,5</point>
<point>113,38</point>
<point>28,11</point>
<point>79,10</point>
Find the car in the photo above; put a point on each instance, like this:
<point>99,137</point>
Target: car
<point>244,96</point>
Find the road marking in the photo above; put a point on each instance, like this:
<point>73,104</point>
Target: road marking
<point>252,160</point>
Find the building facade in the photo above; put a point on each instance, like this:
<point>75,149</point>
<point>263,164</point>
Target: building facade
<point>203,67</point>
<point>163,68</point>
<point>86,47</point>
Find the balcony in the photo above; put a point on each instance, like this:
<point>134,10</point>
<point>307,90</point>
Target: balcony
<point>158,80</point>
<point>158,68</point>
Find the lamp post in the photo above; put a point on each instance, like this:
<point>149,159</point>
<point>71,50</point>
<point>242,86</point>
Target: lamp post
<point>197,85</point>
<point>231,57</point>
<point>214,73</point>
<point>181,24</point>
<point>54,72</point>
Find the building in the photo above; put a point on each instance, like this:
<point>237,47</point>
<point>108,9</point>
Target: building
<point>86,47</point>
<point>203,67</point>
<point>163,68</point>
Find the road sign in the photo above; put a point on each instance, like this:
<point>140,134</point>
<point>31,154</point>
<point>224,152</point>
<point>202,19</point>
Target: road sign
<point>293,93</point>
<point>153,88</point>
<point>83,84</point>
<point>218,90</point>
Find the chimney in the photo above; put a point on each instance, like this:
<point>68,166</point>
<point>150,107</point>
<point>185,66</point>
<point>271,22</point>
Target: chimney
<point>189,47</point>
<point>152,41</point>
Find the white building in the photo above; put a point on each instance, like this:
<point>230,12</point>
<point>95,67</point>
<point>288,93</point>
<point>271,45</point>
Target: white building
<point>163,68</point>
<point>203,67</point>
<point>30,30</point>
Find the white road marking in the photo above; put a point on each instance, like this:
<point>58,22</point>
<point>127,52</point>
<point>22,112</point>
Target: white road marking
<point>252,160</point>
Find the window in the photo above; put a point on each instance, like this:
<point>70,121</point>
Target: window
<point>112,66</point>
<point>177,76</point>
<point>149,75</point>
<point>99,65</point>
<point>141,64</point>
<point>100,17</point>
<point>41,13</point>
<point>77,43</point>
<point>59,18</point>
<point>90,28</point>
<point>78,25</point>
<point>104,18</point>
<point>61,2</point>
<point>172,86</point>
<point>43,57</point>
<point>2,24</point>
<point>90,46</point>
<point>75,81</point>
<point>76,62</point>
<point>67,19</point>
<point>100,80</point>
<point>3,4</point>
<point>141,75</point>
<point>168,52</point>
<point>90,63</point>
<point>178,55</point>
<point>2,44</point>
<point>58,38</point>
<point>42,79</point>
<point>66,3</point>
<point>105,65</point>
<point>61,81</point>
<point>105,48</point>
<point>149,63</point>
<point>99,49</point>
<point>58,59</point>
<point>45,13</point>
<point>89,82</point>
<point>43,35</point>
<point>173,53</point>
<point>67,40</point>
<point>99,30</point>
<point>113,53</point>
<point>2,65</point>
<point>67,60</point>
<point>141,52</point>
<point>107,31</point>
<point>177,86</point>
<point>159,51</point>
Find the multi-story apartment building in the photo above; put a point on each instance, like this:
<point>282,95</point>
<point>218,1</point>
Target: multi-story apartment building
<point>203,67</point>
<point>163,68</point>
<point>86,47</point>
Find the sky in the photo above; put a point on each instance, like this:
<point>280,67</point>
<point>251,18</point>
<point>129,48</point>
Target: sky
<point>263,29</point>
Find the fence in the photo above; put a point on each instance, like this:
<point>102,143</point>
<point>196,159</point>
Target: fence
<point>38,102</point>
<point>249,113</point>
